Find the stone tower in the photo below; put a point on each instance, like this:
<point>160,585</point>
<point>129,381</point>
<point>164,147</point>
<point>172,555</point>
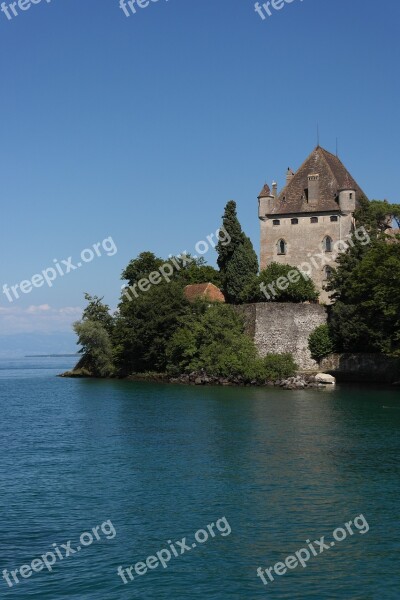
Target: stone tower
<point>310,218</point>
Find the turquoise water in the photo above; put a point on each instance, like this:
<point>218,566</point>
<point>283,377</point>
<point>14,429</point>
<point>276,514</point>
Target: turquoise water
<point>162,462</point>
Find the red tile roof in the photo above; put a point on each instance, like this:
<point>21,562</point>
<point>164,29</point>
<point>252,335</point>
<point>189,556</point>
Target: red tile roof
<point>207,291</point>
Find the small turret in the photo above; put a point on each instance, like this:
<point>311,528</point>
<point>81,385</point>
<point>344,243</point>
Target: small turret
<point>347,196</point>
<point>265,202</point>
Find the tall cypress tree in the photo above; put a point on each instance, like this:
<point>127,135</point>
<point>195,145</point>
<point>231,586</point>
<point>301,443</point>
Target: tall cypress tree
<point>237,260</point>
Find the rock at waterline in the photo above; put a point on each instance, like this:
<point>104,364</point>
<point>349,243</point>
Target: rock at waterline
<point>325,379</point>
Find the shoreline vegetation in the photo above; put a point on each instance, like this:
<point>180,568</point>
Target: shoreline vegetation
<point>162,334</point>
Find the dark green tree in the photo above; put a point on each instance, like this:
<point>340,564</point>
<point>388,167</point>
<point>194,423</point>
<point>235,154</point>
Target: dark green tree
<point>366,314</point>
<point>237,260</point>
<point>377,215</point>
<point>141,266</point>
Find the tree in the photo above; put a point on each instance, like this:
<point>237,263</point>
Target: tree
<point>237,260</point>
<point>320,342</point>
<point>376,215</point>
<point>141,266</point>
<point>94,333</point>
<point>295,287</point>
<point>147,320</point>
<point>366,314</point>
<point>144,326</point>
<point>99,312</point>
<point>97,349</point>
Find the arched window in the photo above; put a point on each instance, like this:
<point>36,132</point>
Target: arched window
<point>281,247</point>
<point>328,244</point>
<point>328,273</point>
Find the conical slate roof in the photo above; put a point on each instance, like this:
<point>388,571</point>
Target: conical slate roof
<point>333,177</point>
<point>265,192</point>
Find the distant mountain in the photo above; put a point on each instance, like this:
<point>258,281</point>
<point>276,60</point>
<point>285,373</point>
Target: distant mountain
<point>23,344</point>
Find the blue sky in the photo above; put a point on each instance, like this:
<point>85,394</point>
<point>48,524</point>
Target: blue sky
<point>142,128</point>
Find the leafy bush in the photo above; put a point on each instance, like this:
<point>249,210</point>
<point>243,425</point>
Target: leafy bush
<point>280,283</point>
<point>278,366</point>
<point>214,341</point>
<point>320,342</point>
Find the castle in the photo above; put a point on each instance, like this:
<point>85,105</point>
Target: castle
<point>313,211</point>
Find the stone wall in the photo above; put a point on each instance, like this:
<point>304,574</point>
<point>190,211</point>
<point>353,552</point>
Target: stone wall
<point>373,368</point>
<point>282,327</point>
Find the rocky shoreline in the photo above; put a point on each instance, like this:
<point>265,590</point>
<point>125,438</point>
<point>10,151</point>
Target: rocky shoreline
<point>320,380</point>
<point>297,382</point>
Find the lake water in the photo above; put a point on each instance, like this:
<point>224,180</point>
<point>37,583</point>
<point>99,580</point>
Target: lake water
<point>151,463</point>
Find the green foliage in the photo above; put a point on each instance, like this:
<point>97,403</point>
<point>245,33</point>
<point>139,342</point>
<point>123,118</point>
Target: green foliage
<point>320,342</point>
<point>98,312</point>
<point>376,215</point>
<point>366,315</point>
<point>94,333</point>
<point>237,260</point>
<point>191,270</point>
<point>147,320</point>
<point>96,347</point>
<point>278,366</point>
<point>299,288</point>
<point>141,267</point>
<point>145,324</point>
<point>198,272</point>
<point>212,339</point>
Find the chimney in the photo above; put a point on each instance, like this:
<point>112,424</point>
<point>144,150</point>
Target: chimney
<point>313,188</point>
<point>274,189</point>
<point>289,175</point>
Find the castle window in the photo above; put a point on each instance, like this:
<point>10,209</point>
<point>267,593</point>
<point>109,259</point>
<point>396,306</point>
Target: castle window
<point>328,273</point>
<point>276,222</point>
<point>351,196</point>
<point>334,218</point>
<point>314,220</point>
<point>281,247</point>
<point>328,244</point>
<point>295,221</point>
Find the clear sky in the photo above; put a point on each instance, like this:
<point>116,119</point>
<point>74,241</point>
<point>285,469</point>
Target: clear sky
<point>142,127</point>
